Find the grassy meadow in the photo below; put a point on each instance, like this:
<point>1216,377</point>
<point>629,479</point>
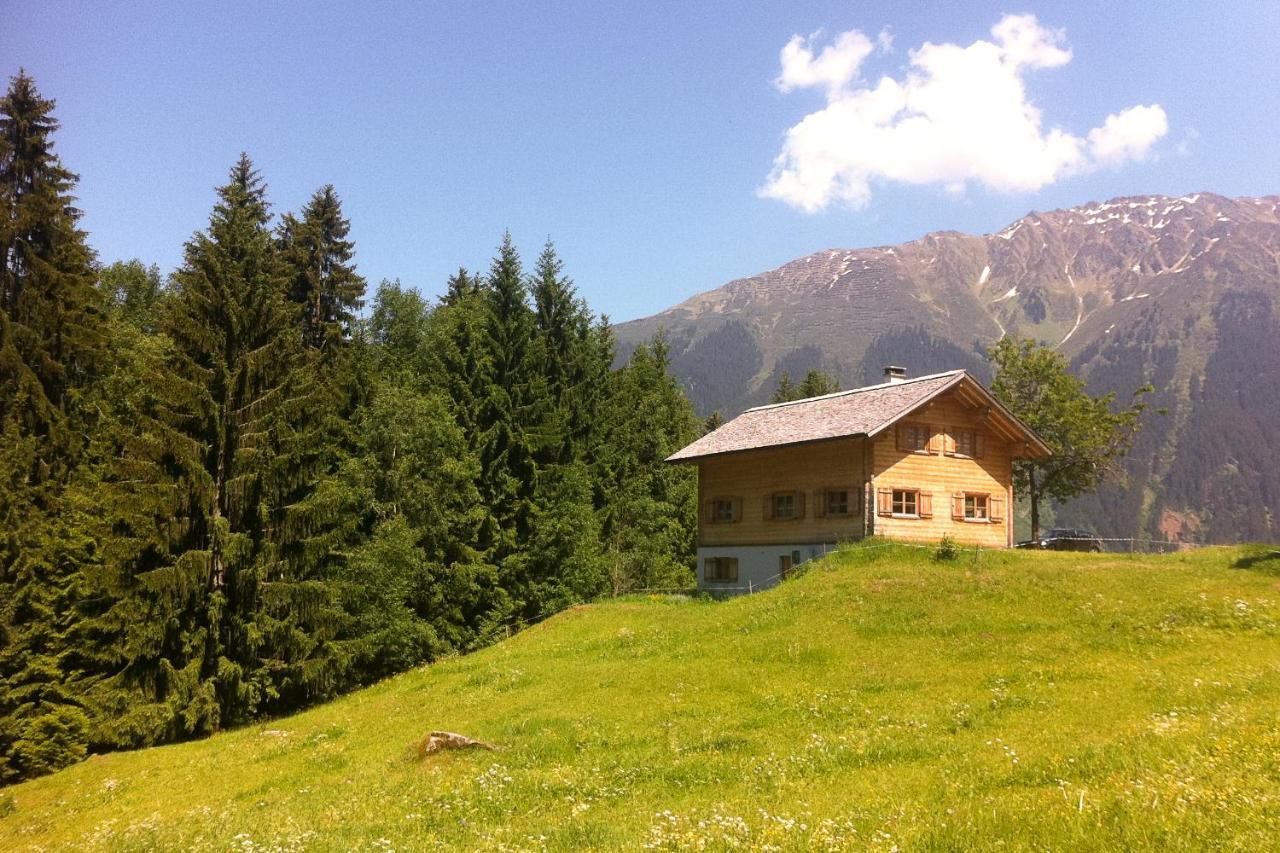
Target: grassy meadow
<point>880,700</point>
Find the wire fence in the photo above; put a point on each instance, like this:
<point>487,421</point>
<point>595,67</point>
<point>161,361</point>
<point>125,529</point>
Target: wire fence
<point>1113,545</point>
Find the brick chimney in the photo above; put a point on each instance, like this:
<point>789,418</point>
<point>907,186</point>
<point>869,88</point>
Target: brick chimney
<point>893,373</point>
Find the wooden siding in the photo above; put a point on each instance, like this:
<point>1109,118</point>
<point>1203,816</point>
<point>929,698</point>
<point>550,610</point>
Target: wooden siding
<point>943,476</point>
<point>752,476</point>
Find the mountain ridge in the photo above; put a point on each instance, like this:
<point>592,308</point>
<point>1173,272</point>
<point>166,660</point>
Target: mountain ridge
<point>1171,290</point>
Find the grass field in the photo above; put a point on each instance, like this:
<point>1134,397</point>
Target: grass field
<point>1024,700</point>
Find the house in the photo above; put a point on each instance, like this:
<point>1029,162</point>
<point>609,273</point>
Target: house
<point>909,459</point>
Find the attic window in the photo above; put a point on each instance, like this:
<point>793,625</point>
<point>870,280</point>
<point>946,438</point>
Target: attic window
<point>914,438</point>
<point>967,442</point>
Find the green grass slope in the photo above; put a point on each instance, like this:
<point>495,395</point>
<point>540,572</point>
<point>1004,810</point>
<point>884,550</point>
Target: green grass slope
<point>1055,701</point>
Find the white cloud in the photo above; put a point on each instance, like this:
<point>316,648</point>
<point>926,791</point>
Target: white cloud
<point>1127,135</point>
<point>835,67</point>
<point>960,115</point>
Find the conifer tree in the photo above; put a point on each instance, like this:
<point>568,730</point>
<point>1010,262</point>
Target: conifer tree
<point>504,414</point>
<point>786,390</point>
<point>213,621</point>
<point>461,285</point>
<point>323,282</point>
<point>51,350</point>
<point>650,522</point>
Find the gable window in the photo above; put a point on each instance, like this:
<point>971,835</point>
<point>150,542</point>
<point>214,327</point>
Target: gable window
<point>720,569</point>
<point>967,442</point>
<point>837,502</point>
<point>914,438</point>
<point>906,502</point>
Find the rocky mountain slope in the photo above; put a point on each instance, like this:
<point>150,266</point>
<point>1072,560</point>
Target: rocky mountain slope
<point>1182,292</point>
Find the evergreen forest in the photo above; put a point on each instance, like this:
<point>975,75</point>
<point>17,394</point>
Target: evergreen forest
<point>250,485</point>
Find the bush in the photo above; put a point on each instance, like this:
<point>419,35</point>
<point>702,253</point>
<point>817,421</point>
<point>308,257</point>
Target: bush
<point>947,550</point>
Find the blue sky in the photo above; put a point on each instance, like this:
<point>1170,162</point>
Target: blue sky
<point>637,136</point>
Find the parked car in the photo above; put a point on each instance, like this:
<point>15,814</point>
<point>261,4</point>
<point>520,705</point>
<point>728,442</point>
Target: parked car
<point>1065,539</point>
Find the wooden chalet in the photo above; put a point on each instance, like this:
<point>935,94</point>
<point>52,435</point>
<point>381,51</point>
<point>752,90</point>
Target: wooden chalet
<point>909,459</point>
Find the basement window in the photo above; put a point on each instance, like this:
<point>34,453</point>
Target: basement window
<point>720,569</point>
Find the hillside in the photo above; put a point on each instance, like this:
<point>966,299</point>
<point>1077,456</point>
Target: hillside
<point>1180,292</point>
<point>1046,700</point>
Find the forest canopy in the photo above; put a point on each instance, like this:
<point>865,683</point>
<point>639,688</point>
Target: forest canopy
<point>239,489</point>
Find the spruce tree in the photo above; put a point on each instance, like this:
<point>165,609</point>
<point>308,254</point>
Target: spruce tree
<point>323,282</point>
<point>504,413</point>
<point>460,286</point>
<point>214,621</point>
<point>649,524</point>
<point>51,350</point>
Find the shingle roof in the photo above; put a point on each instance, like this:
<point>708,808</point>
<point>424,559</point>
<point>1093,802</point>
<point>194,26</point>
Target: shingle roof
<point>862,411</point>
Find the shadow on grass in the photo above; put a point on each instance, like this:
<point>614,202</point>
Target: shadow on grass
<point>1266,560</point>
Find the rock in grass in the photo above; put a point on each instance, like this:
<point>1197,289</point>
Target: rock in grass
<point>437,741</point>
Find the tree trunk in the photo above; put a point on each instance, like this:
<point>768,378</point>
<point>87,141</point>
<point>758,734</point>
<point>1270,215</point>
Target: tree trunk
<point>1034,495</point>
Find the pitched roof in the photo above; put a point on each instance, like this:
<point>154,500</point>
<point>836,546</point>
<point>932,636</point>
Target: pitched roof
<point>861,411</point>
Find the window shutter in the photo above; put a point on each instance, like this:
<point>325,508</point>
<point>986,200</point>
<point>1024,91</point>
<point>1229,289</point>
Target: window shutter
<point>820,503</point>
<point>855,501</point>
<point>996,511</point>
<point>978,445</point>
<point>708,510</point>
<point>925,504</point>
<point>884,501</point>
<point>949,441</point>
<point>957,506</point>
<point>800,504</point>
<point>900,432</point>
<point>768,507</point>
<point>737,509</point>
<point>935,444</point>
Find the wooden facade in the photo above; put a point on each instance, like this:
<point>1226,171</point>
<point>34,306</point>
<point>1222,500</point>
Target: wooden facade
<point>910,459</point>
<point>946,452</point>
<point>944,475</point>
<point>808,471</point>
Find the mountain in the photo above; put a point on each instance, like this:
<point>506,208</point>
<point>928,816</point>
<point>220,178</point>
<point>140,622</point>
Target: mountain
<point>1182,292</point>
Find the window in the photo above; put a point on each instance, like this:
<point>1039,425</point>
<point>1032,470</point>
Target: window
<point>838,502</point>
<point>783,506</point>
<point>967,442</point>
<point>721,511</point>
<point>914,437</point>
<point>970,506</point>
<point>904,503</point>
<point>720,569</point>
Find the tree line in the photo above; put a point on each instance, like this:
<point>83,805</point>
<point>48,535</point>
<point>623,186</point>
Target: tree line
<point>232,492</point>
